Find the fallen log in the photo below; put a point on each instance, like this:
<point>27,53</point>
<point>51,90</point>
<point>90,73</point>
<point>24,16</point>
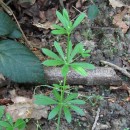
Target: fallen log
<point>98,76</point>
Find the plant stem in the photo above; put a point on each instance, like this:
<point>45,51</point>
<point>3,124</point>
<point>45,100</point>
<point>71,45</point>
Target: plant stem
<point>63,88</point>
<point>59,118</point>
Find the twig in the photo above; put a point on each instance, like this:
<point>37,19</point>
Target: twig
<point>10,12</point>
<point>122,70</point>
<point>96,119</point>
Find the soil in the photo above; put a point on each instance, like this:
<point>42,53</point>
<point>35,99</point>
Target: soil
<point>106,41</point>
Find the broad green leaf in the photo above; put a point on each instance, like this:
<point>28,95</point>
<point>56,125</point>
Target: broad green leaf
<point>15,34</point>
<point>53,62</point>
<point>50,54</point>
<point>77,101</point>
<point>54,112</point>
<point>59,50</point>
<point>93,12</point>
<point>78,20</point>
<point>4,124</point>
<point>56,94</point>
<point>77,110</point>
<point>71,96</point>
<point>61,18</point>
<point>79,69</point>
<point>18,63</point>
<point>10,128</point>
<point>65,70</point>
<point>58,32</point>
<point>1,111</point>
<point>7,25</point>
<point>20,124</point>
<point>67,114</point>
<point>43,100</point>
<point>9,118</point>
<point>84,65</point>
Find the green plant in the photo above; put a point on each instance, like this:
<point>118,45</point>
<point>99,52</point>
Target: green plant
<point>17,62</point>
<point>126,129</point>
<point>63,100</point>
<point>7,123</point>
<point>94,99</point>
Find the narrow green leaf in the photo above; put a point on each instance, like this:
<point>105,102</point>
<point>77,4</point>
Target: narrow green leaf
<point>71,96</point>
<point>50,54</point>
<point>59,50</point>
<point>53,62</point>
<point>74,51</point>
<point>84,65</point>
<point>65,70</point>
<point>54,112</point>
<point>58,32</point>
<point>93,12</point>
<point>56,94</point>
<point>57,27</point>
<point>20,124</point>
<point>67,114</point>
<point>65,14</point>
<point>77,110</point>
<point>78,20</point>
<point>43,100</point>
<point>61,18</point>
<point>85,55</point>
<point>77,101</point>
<point>69,51</point>
<point>81,48</point>
<point>79,70</point>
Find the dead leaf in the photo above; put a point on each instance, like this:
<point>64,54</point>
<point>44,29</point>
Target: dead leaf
<point>116,3</point>
<point>47,25</point>
<point>25,108</point>
<point>118,21</point>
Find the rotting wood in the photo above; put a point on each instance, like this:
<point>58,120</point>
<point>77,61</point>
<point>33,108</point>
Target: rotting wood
<point>98,76</point>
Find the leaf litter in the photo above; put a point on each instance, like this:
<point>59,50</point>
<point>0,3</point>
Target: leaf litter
<point>36,19</point>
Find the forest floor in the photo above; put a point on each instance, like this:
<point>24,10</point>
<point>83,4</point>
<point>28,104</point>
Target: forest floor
<point>108,38</point>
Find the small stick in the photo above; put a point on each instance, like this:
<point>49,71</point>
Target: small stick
<point>123,71</point>
<point>10,12</point>
<point>96,119</point>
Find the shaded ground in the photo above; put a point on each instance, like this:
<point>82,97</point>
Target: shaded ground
<point>106,41</point>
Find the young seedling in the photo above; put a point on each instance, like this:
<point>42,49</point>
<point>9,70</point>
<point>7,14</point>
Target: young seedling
<point>64,101</point>
<point>7,122</point>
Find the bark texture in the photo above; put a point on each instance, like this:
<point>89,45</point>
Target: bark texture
<point>98,76</point>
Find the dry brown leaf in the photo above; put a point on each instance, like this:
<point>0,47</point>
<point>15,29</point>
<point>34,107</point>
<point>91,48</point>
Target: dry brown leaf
<point>47,25</point>
<point>116,3</point>
<point>118,21</point>
<point>25,108</point>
